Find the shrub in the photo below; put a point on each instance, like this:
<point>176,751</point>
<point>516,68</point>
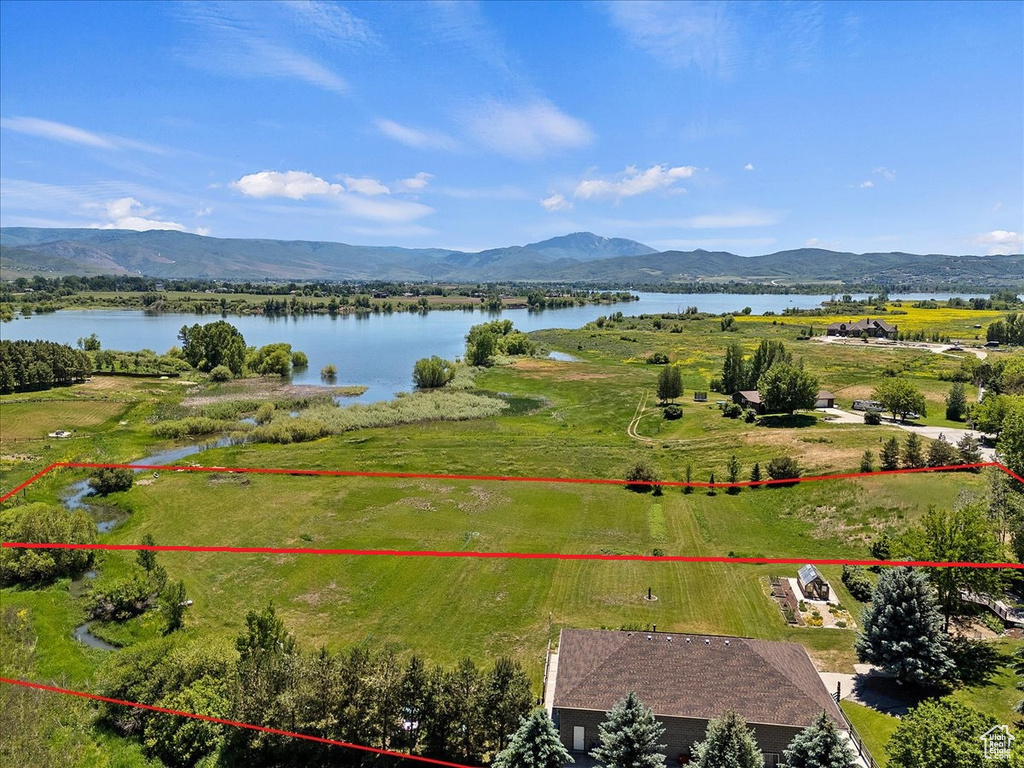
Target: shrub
<point>872,417</point>
<point>673,412</point>
<point>432,372</point>
<point>783,468</point>
<point>193,426</point>
<point>299,360</point>
<point>856,580</point>
<point>220,373</point>
<point>641,476</point>
<point>750,416</point>
<point>264,413</point>
<point>658,358</point>
<point>104,481</point>
<point>329,372</point>
<point>732,411</point>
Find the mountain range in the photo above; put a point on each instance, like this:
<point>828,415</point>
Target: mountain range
<point>580,257</point>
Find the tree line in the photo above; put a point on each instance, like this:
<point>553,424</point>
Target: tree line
<point>38,365</point>
<point>362,695</point>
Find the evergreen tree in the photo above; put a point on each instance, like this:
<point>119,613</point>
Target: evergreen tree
<point>970,450</point>
<point>728,742</point>
<point>507,698</point>
<point>629,737</point>
<point>867,462</point>
<point>670,383</point>
<point>819,746</point>
<point>913,457</point>
<point>689,479</point>
<point>956,402</point>
<point>902,629</point>
<point>942,453</point>
<point>755,474</point>
<point>890,454</point>
<point>534,745</point>
<point>173,602</point>
<point>147,557</point>
<point>767,355</point>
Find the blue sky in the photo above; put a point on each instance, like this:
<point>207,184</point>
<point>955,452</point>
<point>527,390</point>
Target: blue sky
<point>748,127</point>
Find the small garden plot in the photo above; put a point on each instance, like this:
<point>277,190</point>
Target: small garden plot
<point>821,613</point>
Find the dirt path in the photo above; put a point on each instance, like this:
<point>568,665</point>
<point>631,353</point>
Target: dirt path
<point>939,349</point>
<point>641,407</point>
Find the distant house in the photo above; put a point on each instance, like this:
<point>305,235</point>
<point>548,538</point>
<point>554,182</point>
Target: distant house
<point>751,399</point>
<point>812,583</point>
<point>875,329</point>
<point>686,680</point>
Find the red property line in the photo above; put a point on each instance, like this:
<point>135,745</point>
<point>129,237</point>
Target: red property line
<point>502,555</point>
<point>222,721</point>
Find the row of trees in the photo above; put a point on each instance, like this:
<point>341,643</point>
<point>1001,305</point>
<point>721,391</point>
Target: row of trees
<point>37,365</point>
<point>784,386</point>
<point>498,337</point>
<point>630,734</point>
<point>361,695</point>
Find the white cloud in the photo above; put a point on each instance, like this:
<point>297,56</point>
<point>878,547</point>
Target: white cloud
<point>332,23</point>
<point>748,167</point>
<point>556,203</point>
<point>633,182</point>
<point>886,173</point>
<point>299,185</point>
<point>202,212</point>
<point>295,185</point>
<point>366,186</point>
<point>526,130</point>
<point>1001,241</point>
<point>246,40</point>
<point>417,183</point>
<point>679,34</point>
<point>413,137</point>
<point>129,213</point>
<point>866,184</point>
<point>69,134</point>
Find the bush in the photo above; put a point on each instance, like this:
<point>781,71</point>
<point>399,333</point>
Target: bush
<point>673,412</point>
<point>750,416</point>
<point>329,372</point>
<point>732,411</point>
<point>104,481</point>
<point>872,417</point>
<point>658,358</point>
<point>264,413</point>
<point>783,468</point>
<point>220,373</point>
<point>641,476</point>
<point>299,360</point>
<point>38,522</point>
<point>432,372</point>
<point>856,580</point>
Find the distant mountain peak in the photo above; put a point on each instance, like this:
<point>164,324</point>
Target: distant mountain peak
<point>586,246</point>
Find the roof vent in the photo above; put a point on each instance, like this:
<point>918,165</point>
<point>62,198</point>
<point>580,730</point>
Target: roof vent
<point>726,642</point>
<point>649,637</point>
<point>668,639</point>
<point>707,641</point>
<point>687,639</point>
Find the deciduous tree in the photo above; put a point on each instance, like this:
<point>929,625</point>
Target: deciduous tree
<point>784,388</point>
<point>898,396</point>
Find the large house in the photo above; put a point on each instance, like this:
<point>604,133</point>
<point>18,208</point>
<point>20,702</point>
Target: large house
<point>752,399</point>
<point>686,680</point>
<point>875,329</point>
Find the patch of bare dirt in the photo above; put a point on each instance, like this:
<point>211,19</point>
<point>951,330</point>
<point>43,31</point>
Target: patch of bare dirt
<point>263,389</point>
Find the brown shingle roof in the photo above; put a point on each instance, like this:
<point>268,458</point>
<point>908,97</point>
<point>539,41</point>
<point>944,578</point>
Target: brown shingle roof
<point>695,676</point>
<point>751,396</point>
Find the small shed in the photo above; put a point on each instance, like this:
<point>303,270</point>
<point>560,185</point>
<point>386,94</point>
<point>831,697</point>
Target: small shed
<point>825,399</point>
<point>812,584</point>
<point>749,399</point>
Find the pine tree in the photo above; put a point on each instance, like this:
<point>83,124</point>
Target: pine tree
<point>902,629</point>
<point>755,473</point>
<point>867,462</point>
<point>629,737</point>
<point>728,742</point>
<point>507,697</point>
<point>689,479</point>
<point>819,746</point>
<point>670,383</point>
<point>913,457</point>
<point>890,454</point>
<point>147,557</point>
<point>534,745</point>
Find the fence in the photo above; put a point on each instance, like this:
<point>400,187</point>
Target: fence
<point>858,741</point>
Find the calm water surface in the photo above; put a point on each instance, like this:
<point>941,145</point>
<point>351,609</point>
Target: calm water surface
<point>374,350</point>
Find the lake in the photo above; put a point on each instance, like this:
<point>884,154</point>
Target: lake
<point>374,350</point>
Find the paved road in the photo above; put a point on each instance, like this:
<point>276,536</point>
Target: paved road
<point>952,435</point>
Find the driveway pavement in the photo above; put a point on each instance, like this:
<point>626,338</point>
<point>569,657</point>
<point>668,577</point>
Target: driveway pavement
<point>838,416</point>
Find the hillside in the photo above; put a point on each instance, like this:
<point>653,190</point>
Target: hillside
<point>580,257</point>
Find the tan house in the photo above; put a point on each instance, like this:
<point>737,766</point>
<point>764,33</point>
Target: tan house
<point>875,329</point>
<point>687,680</point>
